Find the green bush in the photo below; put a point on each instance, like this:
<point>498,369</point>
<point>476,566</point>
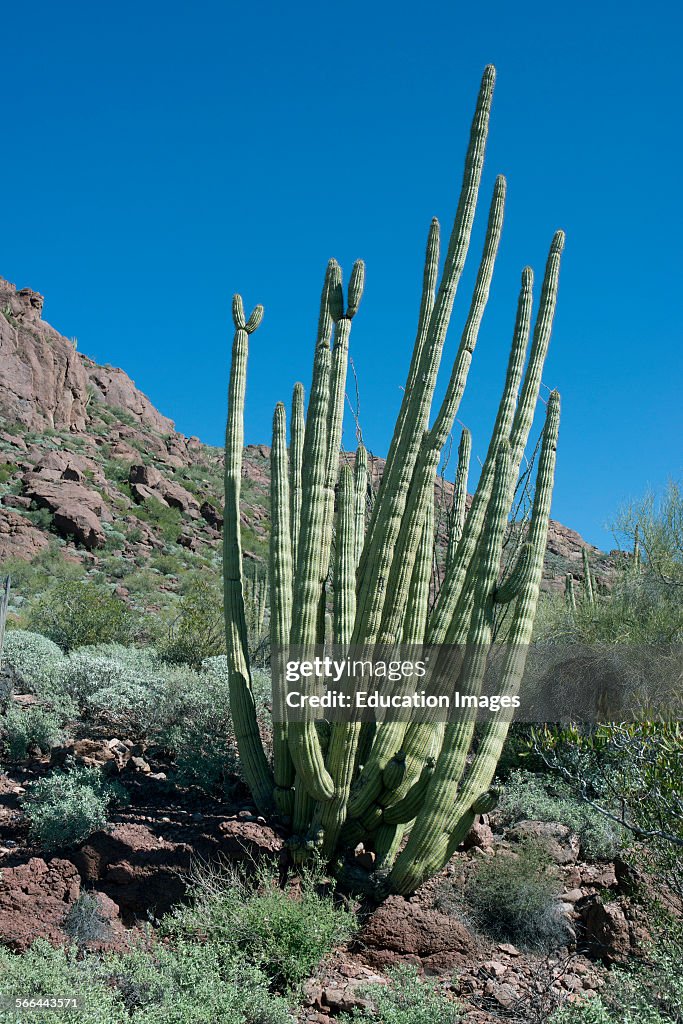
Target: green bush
<point>114,685</point>
<point>33,658</point>
<point>528,796</point>
<point>25,729</point>
<point>514,896</point>
<point>198,631</point>
<point>66,807</point>
<point>405,1000</point>
<point>253,919</point>
<point>648,991</point>
<point>75,614</point>
<point>190,984</point>
<point>168,521</point>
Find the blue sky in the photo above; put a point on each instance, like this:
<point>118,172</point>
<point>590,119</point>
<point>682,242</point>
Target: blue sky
<point>160,156</point>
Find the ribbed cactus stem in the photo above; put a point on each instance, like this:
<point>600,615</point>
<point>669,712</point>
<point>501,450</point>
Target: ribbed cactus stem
<point>360,477</point>
<point>281,600</point>
<point>345,561</point>
<point>254,762</point>
<point>519,431</point>
<point>434,820</point>
<point>422,484</point>
<point>304,744</point>
<point>391,501</point>
<point>588,590</point>
<point>296,453</point>
<point>423,858</point>
<point>569,593</point>
<point>510,588</point>
<point>459,506</point>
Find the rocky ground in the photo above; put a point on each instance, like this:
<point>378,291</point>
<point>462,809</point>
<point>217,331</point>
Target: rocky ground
<point>141,863</point>
<point>88,463</point>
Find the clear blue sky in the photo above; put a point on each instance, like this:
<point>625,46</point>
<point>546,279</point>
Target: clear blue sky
<point>160,156</point>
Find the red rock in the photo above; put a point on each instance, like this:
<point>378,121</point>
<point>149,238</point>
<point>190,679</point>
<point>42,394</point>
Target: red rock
<point>19,538</point>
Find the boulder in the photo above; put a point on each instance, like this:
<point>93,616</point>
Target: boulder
<point>77,510</point>
<point>19,538</point>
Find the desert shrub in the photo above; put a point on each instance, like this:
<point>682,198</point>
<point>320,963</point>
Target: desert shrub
<point>7,470</point>
<point>75,614</point>
<point>25,729</point>
<point>41,517</point>
<point>33,658</point>
<point>198,630</point>
<point>252,918</point>
<point>111,683</point>
<point>44,970</point>
<point>632,772</point>
<point>647,991</point>
<point>528,796</point>
<point>514,896</point>
<point>168,521</point>
<point>85,921</point>
<point>405,1000</point>
<point>67,806</point>
<point>33,578</point>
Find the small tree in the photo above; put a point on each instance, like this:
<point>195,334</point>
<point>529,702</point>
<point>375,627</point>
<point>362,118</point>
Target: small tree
<point>197,632</point>
<point>75,614</point>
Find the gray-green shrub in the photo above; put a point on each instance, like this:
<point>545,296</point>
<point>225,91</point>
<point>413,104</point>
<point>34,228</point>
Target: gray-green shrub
<point>67,806</point>
<point>537,798</point>
<point>514,896</point>
<point>25,729</point>
<point>32,657</point>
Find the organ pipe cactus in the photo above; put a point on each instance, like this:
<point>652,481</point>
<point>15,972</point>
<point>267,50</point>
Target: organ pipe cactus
<point>369,572</point>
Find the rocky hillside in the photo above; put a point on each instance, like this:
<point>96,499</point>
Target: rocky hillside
<point>93,475</point>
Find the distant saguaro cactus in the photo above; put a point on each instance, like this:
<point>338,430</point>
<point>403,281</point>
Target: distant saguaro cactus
<point>340,783</point>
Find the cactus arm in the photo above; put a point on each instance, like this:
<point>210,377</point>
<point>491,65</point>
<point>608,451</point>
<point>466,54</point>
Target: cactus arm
<point>252,756</point>
<point>459,507</point>
<point>360,473</point>
<point>462,810</point>
<point>422,485</point>
<point>296,452</point>
<point>429,282</point>
<point>510,588</point>
<point>345,559</point>
<point>434,818</point>
<point>304,744</point>
<point>281,601</point>
<point>569,593</point>
<point>391,500</point>
<point>588,589</point>
<point>519,430</point>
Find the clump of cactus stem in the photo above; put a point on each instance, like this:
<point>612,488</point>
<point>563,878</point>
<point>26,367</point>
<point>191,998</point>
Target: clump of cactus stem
<point>418,787</point>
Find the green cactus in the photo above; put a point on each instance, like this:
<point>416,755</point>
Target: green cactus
<point>588,588</point>
<point>341,783</point>
<point>458,510</point>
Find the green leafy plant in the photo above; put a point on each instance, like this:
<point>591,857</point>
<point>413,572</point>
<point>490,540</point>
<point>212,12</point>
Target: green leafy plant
<point>283,934</point>
<point>75,614</point>
<point>406,999</point>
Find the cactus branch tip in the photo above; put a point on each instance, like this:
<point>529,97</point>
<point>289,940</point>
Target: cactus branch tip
<point>559,239</point>
<point>254,320</point>
<point>238,312</point>
<point>356,285</point>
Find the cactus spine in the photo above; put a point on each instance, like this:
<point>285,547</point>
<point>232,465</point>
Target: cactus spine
<point>342,783</point>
